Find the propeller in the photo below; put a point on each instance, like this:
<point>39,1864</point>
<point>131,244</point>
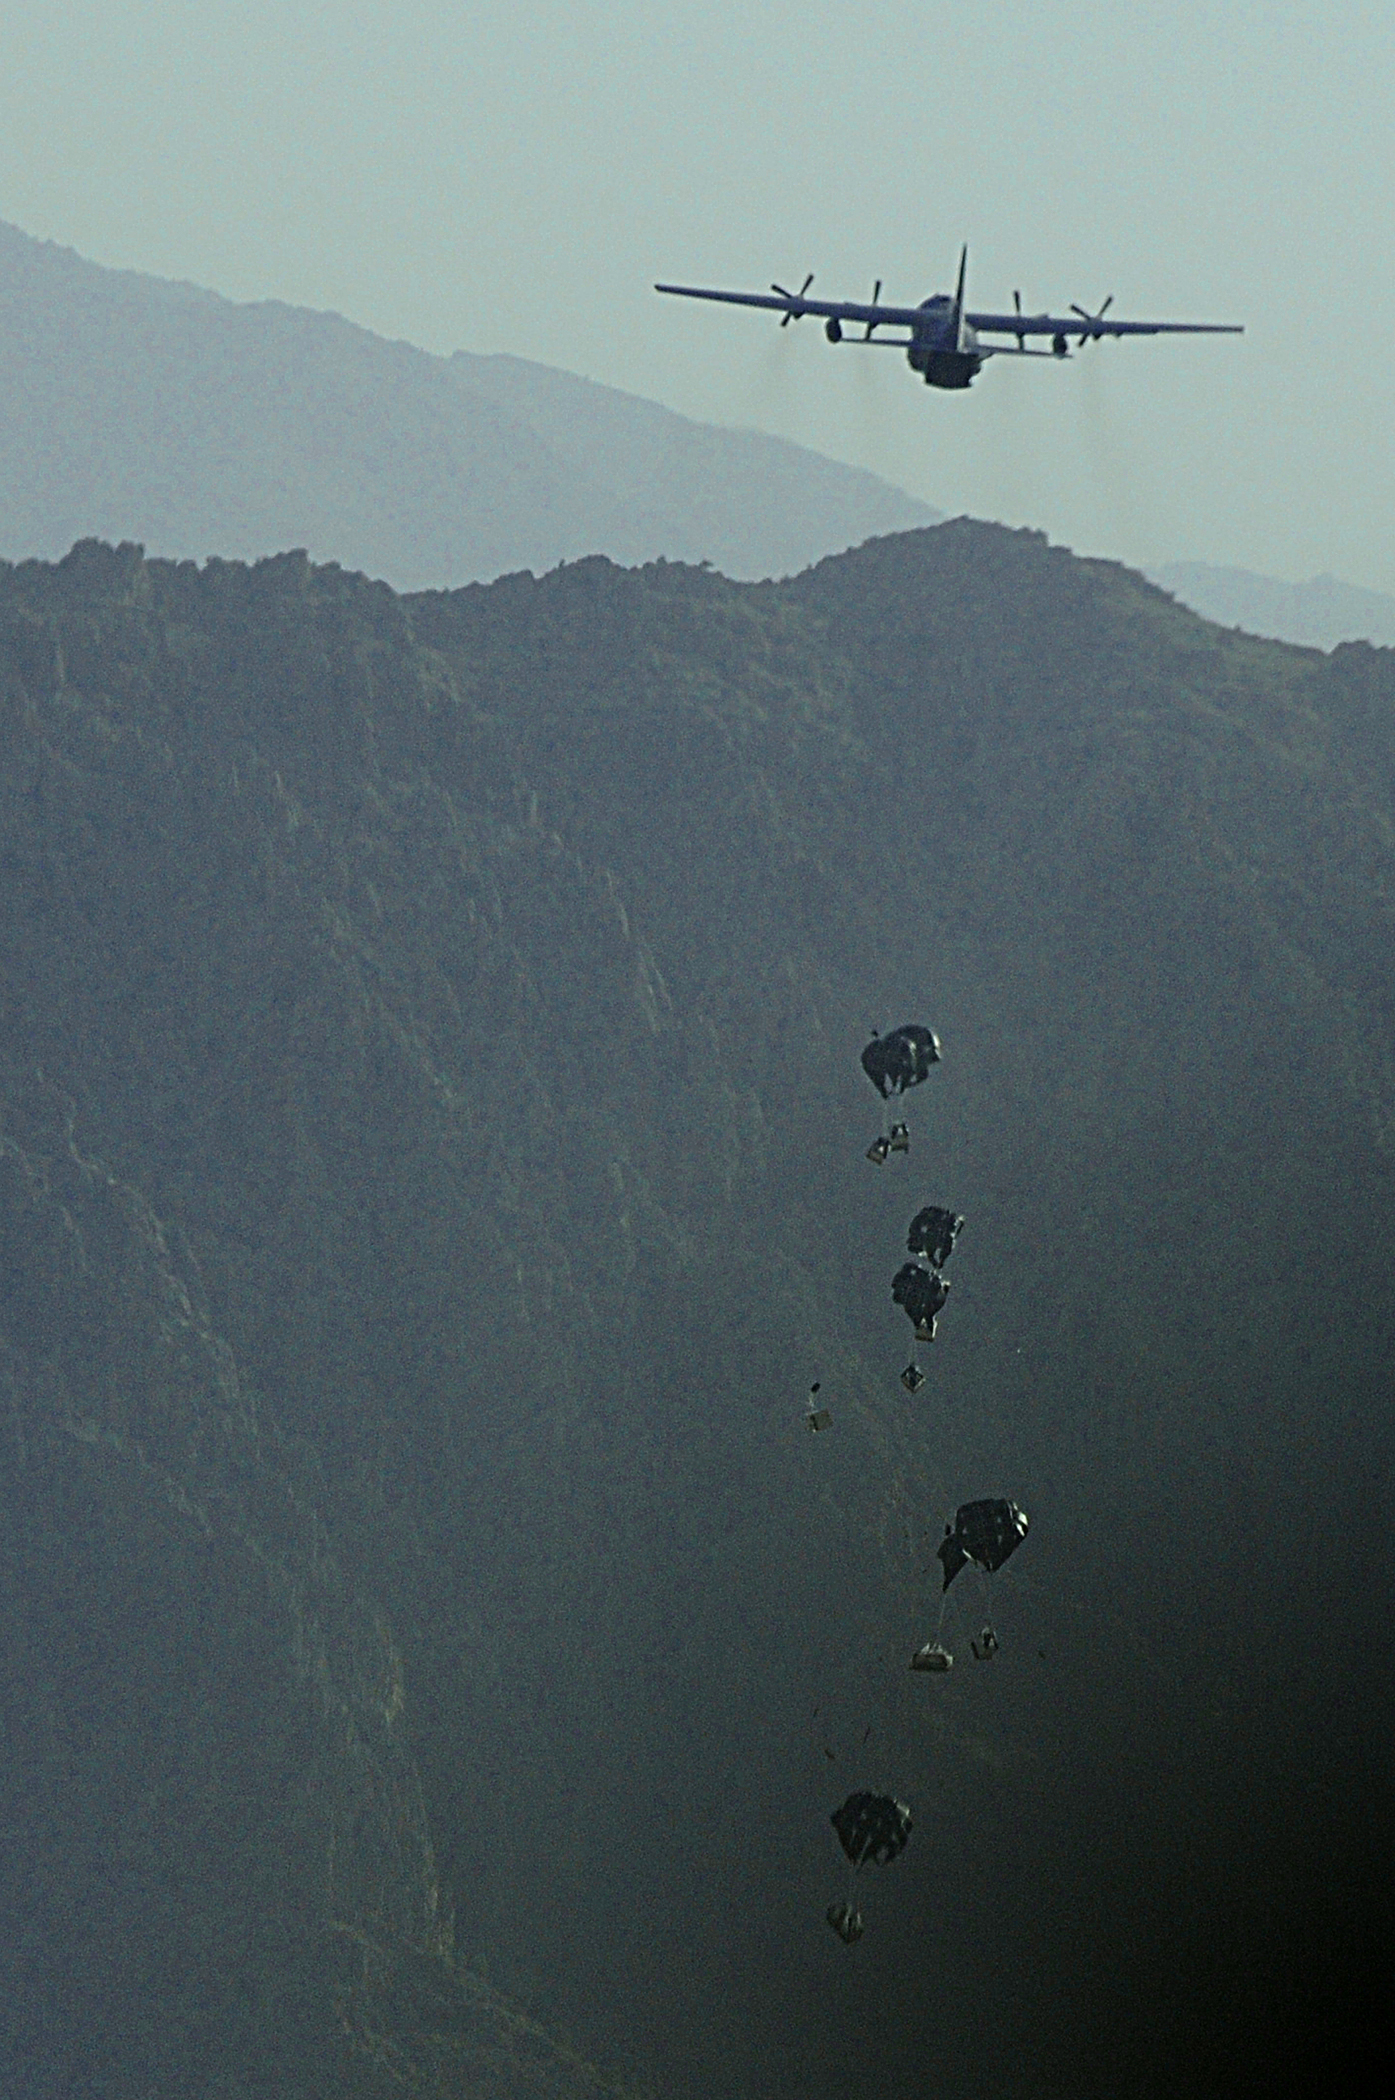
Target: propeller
<point>786,318</point>
<point>1091,332</point>
<point>876,297</point>
<point>1017,309</point>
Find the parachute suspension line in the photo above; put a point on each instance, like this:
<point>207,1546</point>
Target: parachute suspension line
<point>986,1593</point>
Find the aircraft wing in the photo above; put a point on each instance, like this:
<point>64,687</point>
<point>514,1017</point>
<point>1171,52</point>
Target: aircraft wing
<point>1091,326</point>
<point>1077,324</point>
<point>794,304</point>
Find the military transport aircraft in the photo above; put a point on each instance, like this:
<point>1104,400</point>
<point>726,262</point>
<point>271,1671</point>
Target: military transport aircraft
<point>944,343</point>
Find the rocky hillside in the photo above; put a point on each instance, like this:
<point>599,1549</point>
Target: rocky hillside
<point>135,408</point>
<point>431,1176</point>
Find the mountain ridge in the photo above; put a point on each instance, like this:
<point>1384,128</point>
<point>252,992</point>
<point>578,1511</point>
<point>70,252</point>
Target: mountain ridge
<point>1318,614</point>
<point>137,409</point>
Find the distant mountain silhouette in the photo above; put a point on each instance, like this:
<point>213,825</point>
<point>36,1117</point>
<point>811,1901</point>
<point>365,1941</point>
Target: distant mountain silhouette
<point>134,408</point>
<point>1320,613</point>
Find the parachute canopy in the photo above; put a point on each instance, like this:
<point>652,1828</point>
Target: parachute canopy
<point>872,1826</point>
<point>986,1533</point>
<point>922,1292</point>
<point>903,1058</point>
<point>933,1232</point>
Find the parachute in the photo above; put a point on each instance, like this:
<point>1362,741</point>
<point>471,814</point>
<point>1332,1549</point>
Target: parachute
<point>902,1059</point>
<point>869,1826</point>
<point>921,1293</point>
<point>816,1417</point>
<point>872,1826</point>
<point>986,1533</point>
<point>933,1232</point>
<point>893,1063</point>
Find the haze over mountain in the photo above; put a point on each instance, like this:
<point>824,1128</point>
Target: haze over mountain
<point>1319,614</point>
<point>133,408</point>
<point>143,410</point>
<point>431,1177</point>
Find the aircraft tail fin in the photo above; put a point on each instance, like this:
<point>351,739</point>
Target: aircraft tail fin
<point>959,298</point>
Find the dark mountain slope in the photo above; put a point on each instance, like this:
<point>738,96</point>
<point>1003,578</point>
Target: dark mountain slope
<point>136,408</point>
<point>430,1177</point>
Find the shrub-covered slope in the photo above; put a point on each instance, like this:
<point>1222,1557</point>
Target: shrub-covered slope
<point>430,1176</point>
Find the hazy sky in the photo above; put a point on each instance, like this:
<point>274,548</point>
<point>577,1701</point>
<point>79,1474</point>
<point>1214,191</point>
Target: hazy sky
<point>515,177</point>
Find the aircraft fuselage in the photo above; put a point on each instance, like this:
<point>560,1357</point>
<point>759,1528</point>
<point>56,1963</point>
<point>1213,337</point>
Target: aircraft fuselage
<point>943,348</point>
